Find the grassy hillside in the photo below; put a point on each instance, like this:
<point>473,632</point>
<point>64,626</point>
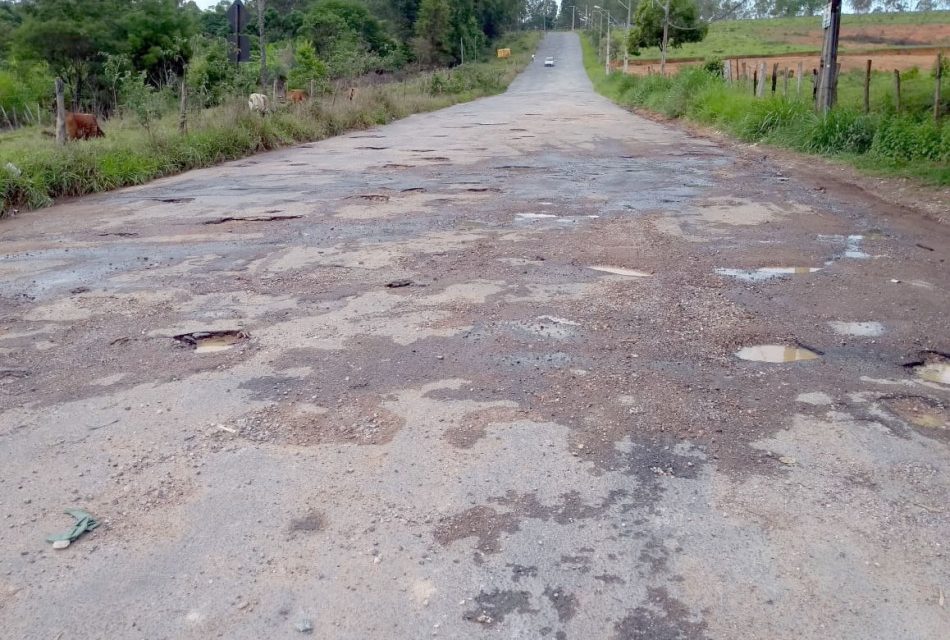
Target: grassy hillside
<point>736,38</point>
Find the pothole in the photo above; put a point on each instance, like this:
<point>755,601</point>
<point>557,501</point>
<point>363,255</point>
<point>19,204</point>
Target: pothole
<point>212,341</point>
<point>483,190</point>
<point>173,200</point>
<point>393,165</point>
<point>370,197</point>
<point>861,329</point>
<point>775,353</point>
<point>274,218</point>
<point>920,411</point>
<point>621,271</point>
<point>933,366</point>
<point>765,273</point>
<point>372,148</point>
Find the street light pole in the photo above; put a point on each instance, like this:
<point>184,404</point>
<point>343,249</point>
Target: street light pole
<point>626,36</point>
<point>607,61</point>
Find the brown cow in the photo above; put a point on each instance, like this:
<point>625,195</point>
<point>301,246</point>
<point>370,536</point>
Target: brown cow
<point>82,126</point>
<point>296,96</point>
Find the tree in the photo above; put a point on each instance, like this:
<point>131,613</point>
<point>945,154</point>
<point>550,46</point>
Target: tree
<point>684,25</point>
<point>72,36</point>
<point>566,16</point>
<point>433,43</point>
<point>307,67</point>
<point>157,37</point>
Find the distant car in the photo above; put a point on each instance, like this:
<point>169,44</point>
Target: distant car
<point>549,62</point>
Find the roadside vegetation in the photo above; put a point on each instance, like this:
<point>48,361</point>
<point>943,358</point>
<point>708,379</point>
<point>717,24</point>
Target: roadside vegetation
<point>128,63</point>
<point>800,34</point>
<point>908,143</point>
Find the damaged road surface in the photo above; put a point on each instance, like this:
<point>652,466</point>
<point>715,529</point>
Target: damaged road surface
<point>547,433</point>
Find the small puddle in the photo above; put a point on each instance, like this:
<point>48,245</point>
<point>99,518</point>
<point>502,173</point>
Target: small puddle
<point>534,216</point>
<point>775,353</point>
<point>621,271</point>
<point>212,341</point>
<point>933,366</point>
<point>863,329</point>
<point>920,411</point>
<point>765,273</point>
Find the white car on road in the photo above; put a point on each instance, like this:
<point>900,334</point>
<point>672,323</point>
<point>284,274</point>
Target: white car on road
<point>549,62</point>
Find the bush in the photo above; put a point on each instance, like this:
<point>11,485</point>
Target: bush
<point>841,131</point>
<point>905,138</point>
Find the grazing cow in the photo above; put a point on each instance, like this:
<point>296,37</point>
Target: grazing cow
<point>258,102</point>
<point>82,126</point>
<point>296,96</point>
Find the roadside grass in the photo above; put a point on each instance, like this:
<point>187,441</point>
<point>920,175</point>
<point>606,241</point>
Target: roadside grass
<point>749,38</point>
<point>131,154</point>
<point>883,142</point>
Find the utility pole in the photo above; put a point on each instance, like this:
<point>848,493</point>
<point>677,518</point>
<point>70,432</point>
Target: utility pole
<point>828,87</point>
<point>462,42</point>
<point>626,36</point>
<point>607,61</point>
<point>260,30</point>
<point>573,16</point>
<point>666,36</point>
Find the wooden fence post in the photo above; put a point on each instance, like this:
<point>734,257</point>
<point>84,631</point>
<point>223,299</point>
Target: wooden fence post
<point>897,91</point>
<point>799,72</point>
<point>745,74</point>
<point>183,110</point>
<point>755,80</point>
<point>60,112</point>
<point>867,87</point>
<point>762,72</point>
<point>785,82</point>
<point>774,77</point>
<point>939,75</point>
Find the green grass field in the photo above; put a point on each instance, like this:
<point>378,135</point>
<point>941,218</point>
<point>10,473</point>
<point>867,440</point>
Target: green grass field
<point>738,38</point>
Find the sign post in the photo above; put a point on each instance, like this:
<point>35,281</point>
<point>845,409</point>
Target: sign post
<point>240,45</point>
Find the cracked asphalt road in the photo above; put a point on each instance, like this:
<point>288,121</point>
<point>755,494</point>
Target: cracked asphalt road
<point>512,444</point>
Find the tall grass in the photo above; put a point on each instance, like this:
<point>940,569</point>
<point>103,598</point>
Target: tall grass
<point>34,170</point>
<point>883,141</point>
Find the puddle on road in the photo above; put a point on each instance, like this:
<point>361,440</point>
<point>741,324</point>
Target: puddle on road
<point>212,341</point>
<point>534,216</point>
<point>920,411</point>
<point>863,329</point>
<point>765,273</point>
<point>934,372</point>
<point>776,353</point>
<point>621,271</point>
<point>931,366</point>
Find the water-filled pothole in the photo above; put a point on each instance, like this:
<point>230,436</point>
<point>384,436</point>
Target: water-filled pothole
<point>775,353</point>
<point>765,273</point>
<point>370,197</point>
<point>920,411</point>
<point>933,366</point>
<point>621,271</point>
<point>212,341</point>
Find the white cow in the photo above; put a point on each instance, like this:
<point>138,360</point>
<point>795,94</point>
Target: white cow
<point>258,102</point>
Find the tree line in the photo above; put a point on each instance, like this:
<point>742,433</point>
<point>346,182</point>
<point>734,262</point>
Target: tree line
<point>109,49</point>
